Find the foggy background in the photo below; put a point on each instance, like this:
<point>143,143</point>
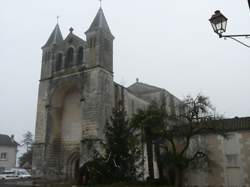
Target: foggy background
<point>169,44</point>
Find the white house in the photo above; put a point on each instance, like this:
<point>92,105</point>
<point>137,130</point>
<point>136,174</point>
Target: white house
<point>8,152</point>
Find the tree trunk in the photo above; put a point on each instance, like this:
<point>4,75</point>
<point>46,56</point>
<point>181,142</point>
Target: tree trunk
<point>150,155</point>
<point>158,160</point>
<point>178,177</point>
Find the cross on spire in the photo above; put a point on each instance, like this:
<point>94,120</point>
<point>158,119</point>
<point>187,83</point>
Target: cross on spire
<point>100,3</point>
<point>57,19</point>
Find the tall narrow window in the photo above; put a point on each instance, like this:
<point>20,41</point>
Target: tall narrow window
<point>80,56</point>
<point>92,51</point>
<point>107,45</point>
<point>69,57</point>
<point>48,55</point>
<point>58,61</point>
<point>92,42</point>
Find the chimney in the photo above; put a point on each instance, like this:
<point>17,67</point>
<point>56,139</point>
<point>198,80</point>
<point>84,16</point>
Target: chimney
<point>12,138</point>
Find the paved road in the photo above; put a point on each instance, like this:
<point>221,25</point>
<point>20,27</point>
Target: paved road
<point>16,183</point>
<point>7,185</point>
<point>12,185</point>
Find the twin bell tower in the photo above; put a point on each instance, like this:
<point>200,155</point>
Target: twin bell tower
<point>76,97</point>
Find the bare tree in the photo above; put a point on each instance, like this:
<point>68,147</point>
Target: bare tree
<point>196,119</point>
<point>173,135</point>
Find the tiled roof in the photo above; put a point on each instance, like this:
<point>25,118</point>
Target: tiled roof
<point>5,140</point>
<point>220,125</point>
<point>233,124</point>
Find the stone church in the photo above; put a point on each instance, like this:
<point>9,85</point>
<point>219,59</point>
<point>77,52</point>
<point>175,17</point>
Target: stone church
<point>76,96</point>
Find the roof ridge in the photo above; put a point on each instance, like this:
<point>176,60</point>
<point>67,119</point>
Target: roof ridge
<point>148,85</point>
<point>151,86</point>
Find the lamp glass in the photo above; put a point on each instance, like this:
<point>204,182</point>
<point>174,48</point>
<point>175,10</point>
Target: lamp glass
<point>218,22</point>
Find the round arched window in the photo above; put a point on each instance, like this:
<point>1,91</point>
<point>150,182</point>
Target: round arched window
<point>69,57</point>
<point>80,56</point>
<point>58,61</point>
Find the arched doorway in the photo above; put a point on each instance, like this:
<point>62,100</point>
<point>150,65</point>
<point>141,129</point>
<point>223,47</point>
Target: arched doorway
<point>66,128</point>
<point>72,167</point>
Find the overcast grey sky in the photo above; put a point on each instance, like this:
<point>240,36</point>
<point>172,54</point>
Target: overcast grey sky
<point>169,44</point>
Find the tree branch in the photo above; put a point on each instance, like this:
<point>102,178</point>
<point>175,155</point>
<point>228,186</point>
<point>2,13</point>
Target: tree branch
<point>198,154</point>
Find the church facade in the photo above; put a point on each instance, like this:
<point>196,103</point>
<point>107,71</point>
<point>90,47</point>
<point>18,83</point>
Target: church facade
<point>76,96</point>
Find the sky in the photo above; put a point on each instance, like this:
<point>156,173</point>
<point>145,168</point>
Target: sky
<point>169,44</point>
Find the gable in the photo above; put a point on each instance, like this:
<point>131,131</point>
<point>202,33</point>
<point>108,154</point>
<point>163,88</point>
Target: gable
<point>5,140</point>
<point>142,88</point>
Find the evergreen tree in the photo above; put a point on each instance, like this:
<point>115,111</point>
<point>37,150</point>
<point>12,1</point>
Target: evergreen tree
<point>26,158</point>
<point>27,140</point>
<point>122,150</point>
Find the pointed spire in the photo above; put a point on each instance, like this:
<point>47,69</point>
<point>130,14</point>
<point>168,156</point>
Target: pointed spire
<point>100,3</point>
<point>55,37</point>
<point>99,22</point>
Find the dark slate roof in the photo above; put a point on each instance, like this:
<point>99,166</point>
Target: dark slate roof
<point>233,124</point>
<point>221,125</point>
<point>5,140</point>
<point>142,88</point>
<point>55,37</point>
<point>99,22</point>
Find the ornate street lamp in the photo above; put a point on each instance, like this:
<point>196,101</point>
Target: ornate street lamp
<point>219,24</point>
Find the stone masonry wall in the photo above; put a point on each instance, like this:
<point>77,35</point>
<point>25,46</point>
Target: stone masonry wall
<point>245,155</point>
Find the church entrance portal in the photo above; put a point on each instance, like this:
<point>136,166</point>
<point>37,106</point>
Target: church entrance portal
<point>72,167</point>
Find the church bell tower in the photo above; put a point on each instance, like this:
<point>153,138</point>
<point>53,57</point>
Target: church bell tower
<point>75,99</point>
<point>100,43</point>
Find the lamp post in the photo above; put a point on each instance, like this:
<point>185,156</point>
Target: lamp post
<point>219,24</point>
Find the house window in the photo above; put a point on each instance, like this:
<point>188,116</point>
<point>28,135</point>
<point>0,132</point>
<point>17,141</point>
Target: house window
<point>3,156</point>
<point>2,169</point>
<point>232,160</point>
